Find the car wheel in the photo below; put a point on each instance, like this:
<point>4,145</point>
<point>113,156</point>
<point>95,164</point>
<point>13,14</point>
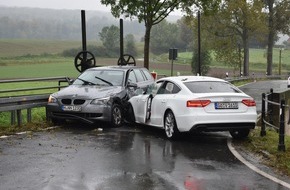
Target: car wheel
<point>148,108</point>
<point>170,127</point>
<point>117,115</point>
<point>240,133</point>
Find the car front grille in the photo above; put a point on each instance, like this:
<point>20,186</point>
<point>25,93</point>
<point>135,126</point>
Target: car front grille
<point>74,102</point>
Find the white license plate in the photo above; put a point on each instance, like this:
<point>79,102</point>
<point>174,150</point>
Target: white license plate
<point>226,105</point>
<point>71,108</point>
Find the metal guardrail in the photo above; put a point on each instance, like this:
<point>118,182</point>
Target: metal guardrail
<point>15,104</point>
<point>267,98</point>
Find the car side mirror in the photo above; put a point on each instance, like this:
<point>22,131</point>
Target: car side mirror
<point>71,81</point>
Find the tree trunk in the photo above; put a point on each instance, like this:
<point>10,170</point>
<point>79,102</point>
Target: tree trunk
<point>270,39</point>
<point>146,46</point>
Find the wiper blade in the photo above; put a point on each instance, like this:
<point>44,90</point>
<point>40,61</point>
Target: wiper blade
<point>104,81</point>
<point>86,82</point>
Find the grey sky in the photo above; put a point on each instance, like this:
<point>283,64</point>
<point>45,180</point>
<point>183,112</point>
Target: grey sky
<point>57,4</point>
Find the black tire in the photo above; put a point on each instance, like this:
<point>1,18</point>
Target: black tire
<point>240,133</point>
<point>170,127</point>
<point>117,115</point>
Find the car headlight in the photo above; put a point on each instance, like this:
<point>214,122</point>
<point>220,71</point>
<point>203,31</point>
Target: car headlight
<point>52,99</point>
<point>101,101</point>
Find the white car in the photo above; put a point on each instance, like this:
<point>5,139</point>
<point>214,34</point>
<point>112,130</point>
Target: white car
<point>194,104</point>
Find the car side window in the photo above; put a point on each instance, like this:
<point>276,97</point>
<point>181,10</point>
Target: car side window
<point>168,88</point>
<point>139,75</point>
<point>147,74</point>
<point>132,77</point>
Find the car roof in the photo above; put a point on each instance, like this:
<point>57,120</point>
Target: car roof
<point>116,67</point>
<point>181,79</point>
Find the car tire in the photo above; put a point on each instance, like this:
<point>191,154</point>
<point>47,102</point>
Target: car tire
<point>240,133</point>
<point>170,126</point>
<point>117,115</point>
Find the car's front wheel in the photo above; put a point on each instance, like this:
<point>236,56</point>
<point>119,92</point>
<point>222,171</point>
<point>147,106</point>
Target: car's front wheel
<point>170,127</point>
<point>240,133</point>
<point>117,115</point>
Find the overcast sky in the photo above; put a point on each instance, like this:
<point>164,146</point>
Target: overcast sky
<point>57,4</point>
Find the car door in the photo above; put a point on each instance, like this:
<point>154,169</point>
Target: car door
<point>141,108</point>
<point>159,103</point>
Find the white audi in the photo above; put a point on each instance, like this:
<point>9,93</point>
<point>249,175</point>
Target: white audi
<point>195,104</point>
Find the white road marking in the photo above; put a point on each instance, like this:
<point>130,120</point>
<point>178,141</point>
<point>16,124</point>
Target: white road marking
<point>254,168</point>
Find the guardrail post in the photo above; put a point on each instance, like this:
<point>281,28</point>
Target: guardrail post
<point>19,117</point>
<point>270,106</point>
<point>13,117</point>
<point>281,146</point>
<point>263,128</point>
<point>29,115</point>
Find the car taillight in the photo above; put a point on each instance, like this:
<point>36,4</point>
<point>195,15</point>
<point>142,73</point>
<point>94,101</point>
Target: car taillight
<point>197,103</point>
<point>249,102</point>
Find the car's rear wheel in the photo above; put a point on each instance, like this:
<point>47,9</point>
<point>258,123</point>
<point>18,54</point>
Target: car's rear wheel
<point>170,127</point>
<point>240,133</point>
<point>117,115</point>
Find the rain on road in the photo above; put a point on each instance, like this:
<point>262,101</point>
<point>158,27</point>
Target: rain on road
<point>79,157</point>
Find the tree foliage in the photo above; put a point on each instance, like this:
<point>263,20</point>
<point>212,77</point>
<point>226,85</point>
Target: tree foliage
<point>232,26</point>
<point>130,45</point>
<point>151,12</point>
<point>110,36</point>
<point>278,21</point>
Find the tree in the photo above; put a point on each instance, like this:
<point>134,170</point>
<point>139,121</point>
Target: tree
<point>278,21</point>
<point>130,45</point>
<point>234,24</point>
<point>110,36</point>
<point>164,36</point>
<point>151,12</point>
<point>206,60</point>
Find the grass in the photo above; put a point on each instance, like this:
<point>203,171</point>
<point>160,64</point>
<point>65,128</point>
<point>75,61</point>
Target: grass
<point>266,147</point>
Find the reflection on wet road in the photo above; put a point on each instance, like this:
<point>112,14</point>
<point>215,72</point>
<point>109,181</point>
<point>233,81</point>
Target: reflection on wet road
<point>122,158</point>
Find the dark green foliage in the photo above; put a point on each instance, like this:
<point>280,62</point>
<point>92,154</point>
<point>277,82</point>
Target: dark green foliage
<point>205,59</point>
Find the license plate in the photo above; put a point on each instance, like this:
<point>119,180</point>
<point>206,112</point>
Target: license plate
<point>71,108</point>
<point>226,105</point>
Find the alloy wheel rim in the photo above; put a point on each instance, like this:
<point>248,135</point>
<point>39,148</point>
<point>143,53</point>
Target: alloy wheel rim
<point>117,116</point>
<point>169,125</point>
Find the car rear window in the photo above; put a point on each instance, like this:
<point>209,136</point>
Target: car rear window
<point>210,87</point>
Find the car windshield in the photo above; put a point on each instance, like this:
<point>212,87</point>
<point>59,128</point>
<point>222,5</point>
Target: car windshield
<point>101,78</point>
<point>210,87</point>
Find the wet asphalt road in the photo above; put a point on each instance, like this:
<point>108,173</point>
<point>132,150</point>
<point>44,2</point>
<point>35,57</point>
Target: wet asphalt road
<point>79,157</point>
<point>256,89</point>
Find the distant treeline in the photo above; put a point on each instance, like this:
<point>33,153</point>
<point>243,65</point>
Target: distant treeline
<point>36,23</point>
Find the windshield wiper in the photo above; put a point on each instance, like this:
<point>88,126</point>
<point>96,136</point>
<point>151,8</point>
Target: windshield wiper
<point>104,81</point>
<point>86,82</point>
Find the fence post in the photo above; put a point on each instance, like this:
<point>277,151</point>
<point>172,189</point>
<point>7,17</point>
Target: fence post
<point>263,130</point>
<point>19,118</point>
<point>29,115</point>
<point>270,106</point>
<point>281,146</point>
<point>13,118</point>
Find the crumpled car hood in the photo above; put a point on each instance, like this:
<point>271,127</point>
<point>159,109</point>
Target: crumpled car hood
<point>87,91</point>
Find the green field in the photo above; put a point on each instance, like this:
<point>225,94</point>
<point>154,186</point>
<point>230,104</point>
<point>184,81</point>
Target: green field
<point>42,58</point>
